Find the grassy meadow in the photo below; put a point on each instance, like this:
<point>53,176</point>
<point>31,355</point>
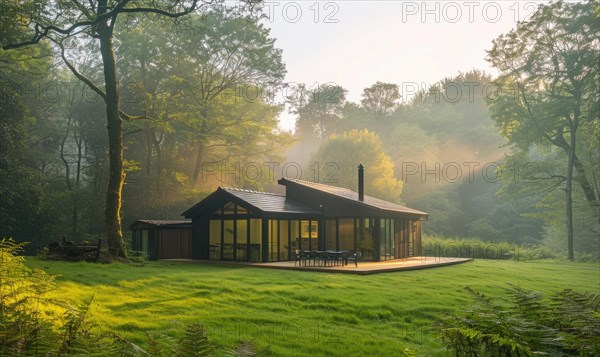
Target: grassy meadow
<point>299,313</point>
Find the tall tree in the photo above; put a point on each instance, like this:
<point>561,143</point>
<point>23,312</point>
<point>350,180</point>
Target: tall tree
<point>340,154</point>
<point>551,63</point>
<point>214,94</point>
<point>318,110</point>
<point>381,99</point>
<point>91,21</point>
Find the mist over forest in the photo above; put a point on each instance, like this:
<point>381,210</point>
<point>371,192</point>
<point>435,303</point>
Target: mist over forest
<point>299,178</point>
<point>488,158</point>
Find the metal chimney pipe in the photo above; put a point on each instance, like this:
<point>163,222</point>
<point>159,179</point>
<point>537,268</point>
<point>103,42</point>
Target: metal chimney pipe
<point>361,182</point>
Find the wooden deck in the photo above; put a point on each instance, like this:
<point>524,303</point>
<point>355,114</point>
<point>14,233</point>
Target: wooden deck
<point>364,268</point>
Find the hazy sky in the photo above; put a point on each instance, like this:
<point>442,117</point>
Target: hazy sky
<point>356,43</point>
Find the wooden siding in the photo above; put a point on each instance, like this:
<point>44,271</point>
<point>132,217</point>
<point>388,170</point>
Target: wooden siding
<point>174,243</point>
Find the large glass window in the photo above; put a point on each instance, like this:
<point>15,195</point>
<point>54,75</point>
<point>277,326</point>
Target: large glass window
<point>366,241</point>
<point>386,245</point>
<point>284,242</point>
<point>229,208</point>
<point>405,241</point>
<point>295,233</point>
<point>304,235</point>
<point>309,231</point>
<point>229,237</point>
<point>242,240</point>
<point>254,250</point>
<point>347,234</point>
<point>410,237</point>
<point>215,239</point>
<point>392,239</point>
<point>397,238</point>
<point>228,226</point>
<point>330,234</point>
<point>273,241</point>
<point>382,239</point>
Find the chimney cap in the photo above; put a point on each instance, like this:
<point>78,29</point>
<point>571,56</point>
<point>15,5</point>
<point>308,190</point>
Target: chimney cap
<point>361,182</point>
<point>361,166</point>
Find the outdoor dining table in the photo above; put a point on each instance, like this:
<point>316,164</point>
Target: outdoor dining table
<point>337,256</point>
<point>325,256</point>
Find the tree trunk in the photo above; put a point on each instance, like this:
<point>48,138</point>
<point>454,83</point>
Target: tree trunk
<point>75,212</point>
<point>198,165</point>
<point>67,168</point>
<point>148,153</point>
<point>588,191</point>
<point>569,193</point>
<point>156,143</point>
<point>569,209</point>
<point>116,176</point>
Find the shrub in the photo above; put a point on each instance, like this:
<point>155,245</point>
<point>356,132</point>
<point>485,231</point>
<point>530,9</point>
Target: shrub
<point>477,249</point>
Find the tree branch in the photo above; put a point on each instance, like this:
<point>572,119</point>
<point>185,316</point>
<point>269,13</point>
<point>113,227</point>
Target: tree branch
<point>165,13</point>
<point>91,84</point>
<point>43,31</point>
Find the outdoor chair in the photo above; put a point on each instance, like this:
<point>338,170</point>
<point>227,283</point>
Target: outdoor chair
<point>301,257</point>
<point>298,258</point>
<point>354,257</point>
<point>306,257</point>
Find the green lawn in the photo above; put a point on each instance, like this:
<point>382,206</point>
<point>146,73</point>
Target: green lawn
<point>299,313</point>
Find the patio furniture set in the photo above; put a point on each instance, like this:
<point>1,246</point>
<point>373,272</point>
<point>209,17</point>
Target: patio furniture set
<point>326,257</point>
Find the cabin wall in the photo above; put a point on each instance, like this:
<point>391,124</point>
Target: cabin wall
<point>163,243</point>
<point>174,243</point>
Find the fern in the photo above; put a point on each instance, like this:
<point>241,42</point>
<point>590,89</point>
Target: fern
<point>569,325</point>
<point>76,331</point>
<point>155,346</point>
<point>577,318</point>
<point>194,342</point>
<point>22,295</point>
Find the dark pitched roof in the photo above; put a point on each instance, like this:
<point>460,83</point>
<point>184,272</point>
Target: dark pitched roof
<point>269,202</point>
<point>260,201</point>
<point>350,195</point>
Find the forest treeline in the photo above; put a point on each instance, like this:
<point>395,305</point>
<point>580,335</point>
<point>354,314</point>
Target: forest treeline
<point>512,158</point>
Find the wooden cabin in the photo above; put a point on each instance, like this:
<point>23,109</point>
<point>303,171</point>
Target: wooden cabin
<point>243,225</point>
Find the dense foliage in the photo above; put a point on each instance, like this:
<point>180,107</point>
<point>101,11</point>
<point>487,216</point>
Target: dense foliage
<point>209,106</point>
<point>567,325</point>
<point>445,247</point>
<point>511,159</point>
<point>549,107</point>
